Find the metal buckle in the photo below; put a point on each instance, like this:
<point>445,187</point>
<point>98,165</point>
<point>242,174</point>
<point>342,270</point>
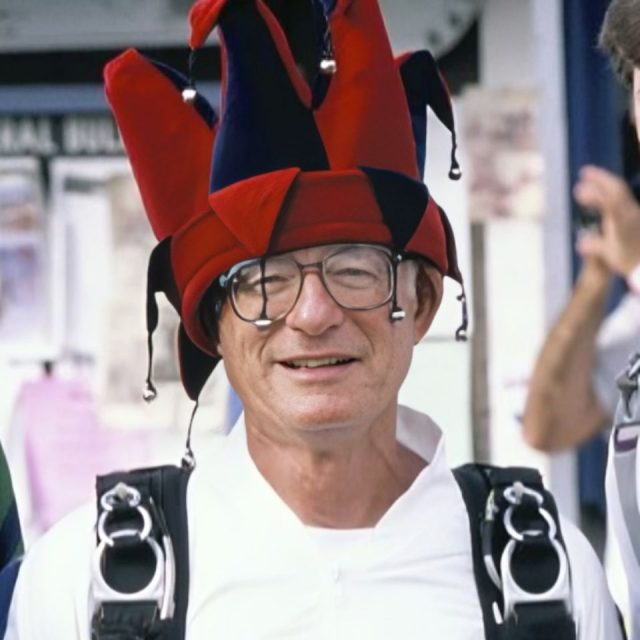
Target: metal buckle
<point>161,586</point>
<point>627,383</point>
<point>512,593</point>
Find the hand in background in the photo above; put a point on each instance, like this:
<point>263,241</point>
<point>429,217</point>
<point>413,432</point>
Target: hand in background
<point>618,243</point>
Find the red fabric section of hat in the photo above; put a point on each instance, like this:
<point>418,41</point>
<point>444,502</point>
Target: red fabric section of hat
<point>204,241</point>
<point>364,118</point>
<point>203,18</point>
<point>250,208</point>
<point>167,141</point>
<point>329,206</point>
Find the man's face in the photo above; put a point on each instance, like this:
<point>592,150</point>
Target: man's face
<point>363,358</point>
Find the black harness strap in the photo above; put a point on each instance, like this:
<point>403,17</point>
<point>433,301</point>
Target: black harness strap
<point>475,489</point>
<point>129,563</point>
<point>534,562</point>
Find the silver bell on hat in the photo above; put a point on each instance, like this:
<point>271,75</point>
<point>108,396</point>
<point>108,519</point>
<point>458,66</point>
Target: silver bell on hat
<point>328,66</point>
<point>189,95</point>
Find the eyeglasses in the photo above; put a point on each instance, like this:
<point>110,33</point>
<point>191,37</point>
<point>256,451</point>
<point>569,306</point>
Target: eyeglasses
<point>356,276</point>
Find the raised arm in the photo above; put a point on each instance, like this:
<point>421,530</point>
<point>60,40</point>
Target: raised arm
<point>562,409</point>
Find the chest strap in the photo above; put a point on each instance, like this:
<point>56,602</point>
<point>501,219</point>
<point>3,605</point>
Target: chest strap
<point>140,571</point>
<point>520,562</point>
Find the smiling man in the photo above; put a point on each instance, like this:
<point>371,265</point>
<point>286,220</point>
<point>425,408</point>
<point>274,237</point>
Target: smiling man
<point>310,259</point>
<point>320,385</point>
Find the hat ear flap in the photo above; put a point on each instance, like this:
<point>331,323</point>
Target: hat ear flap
<point>195,365</point>
<point>159,277</point>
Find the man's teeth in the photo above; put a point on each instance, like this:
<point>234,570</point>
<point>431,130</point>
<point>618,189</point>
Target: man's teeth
<point>313,364</point>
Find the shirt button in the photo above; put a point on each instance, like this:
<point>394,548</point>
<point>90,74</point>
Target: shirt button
<point>336,574</point>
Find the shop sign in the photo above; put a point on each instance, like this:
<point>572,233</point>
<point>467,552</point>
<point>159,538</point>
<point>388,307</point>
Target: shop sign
<point>59,135</point>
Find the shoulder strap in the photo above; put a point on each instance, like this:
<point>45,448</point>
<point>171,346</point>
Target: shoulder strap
<point>519,559</point>
<point>140,573</point>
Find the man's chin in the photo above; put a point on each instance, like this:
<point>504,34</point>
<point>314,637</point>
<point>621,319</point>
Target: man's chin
<point>328,419</point>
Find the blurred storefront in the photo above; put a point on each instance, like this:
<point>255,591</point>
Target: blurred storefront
<point>74,245</point>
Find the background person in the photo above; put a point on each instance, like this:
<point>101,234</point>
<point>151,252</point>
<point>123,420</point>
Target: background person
<point>572,394</point>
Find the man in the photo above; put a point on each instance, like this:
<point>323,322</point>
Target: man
<point>312,264</point>
<point>572,395</point>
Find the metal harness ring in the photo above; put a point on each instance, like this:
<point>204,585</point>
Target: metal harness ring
<point>142,534</point>
<point>521,536</point>
<point>103,592</point>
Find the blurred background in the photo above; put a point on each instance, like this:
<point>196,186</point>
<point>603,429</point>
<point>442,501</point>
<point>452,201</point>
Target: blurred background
<point>534,101</point>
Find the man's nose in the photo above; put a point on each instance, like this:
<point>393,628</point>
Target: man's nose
<point>315,310</point>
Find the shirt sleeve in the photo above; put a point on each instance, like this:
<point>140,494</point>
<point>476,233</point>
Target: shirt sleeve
<point>51,596</point>
<point>625,540</point>
<point>593,607</point>
<point>618,338</point>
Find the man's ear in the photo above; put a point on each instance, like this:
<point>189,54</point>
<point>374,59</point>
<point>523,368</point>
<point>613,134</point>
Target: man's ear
<point>429,290</point>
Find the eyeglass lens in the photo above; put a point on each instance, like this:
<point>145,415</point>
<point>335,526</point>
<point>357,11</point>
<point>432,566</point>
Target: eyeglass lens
<point>356,277</point>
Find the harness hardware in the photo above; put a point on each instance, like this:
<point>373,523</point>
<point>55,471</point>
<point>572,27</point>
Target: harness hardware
<point>519,497</point>
<point>124,500</point>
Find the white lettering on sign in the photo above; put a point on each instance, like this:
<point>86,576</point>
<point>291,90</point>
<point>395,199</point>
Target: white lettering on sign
<point>32,136</point>
<point>71,135</point>
<point>90,136</point>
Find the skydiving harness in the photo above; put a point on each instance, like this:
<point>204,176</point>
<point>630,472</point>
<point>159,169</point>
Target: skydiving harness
<point>624,439</point>
<point>140,569</point>
<point>140,572</point>
<point>520,561</point>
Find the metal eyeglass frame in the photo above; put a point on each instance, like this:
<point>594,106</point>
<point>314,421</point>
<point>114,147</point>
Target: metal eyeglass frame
<point>397,313</point>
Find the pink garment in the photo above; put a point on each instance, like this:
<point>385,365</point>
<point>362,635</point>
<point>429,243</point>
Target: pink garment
<point>66,447</point>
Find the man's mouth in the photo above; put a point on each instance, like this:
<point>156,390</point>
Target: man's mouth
<point>316,363</point>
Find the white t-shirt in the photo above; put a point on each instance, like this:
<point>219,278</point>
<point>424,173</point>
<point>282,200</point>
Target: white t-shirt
<point>258,572</point>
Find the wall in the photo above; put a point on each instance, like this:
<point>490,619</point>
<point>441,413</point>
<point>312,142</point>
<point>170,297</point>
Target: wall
<point>527,267</point>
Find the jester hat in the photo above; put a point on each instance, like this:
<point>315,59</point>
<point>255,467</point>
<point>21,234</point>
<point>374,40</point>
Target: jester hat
<point>321,139</point>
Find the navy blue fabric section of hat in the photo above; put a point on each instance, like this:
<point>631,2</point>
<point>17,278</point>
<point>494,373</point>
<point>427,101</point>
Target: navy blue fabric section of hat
<point>305,26</point>
<point>328,6</point>
<point>195,365</point>
<point>415,87</point>
<point>454,270</point>
<point>265,126</point>
<point>424,86</point>
<point>180,82</point>
<point>402,201</point>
